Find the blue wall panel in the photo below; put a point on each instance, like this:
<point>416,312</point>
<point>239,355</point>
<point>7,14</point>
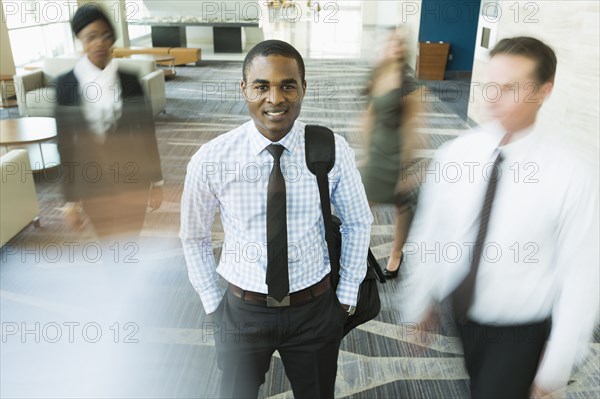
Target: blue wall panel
<point>453,21</point>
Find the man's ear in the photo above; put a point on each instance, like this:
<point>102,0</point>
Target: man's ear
<point>243,89</point>
<point>547,88</point>
<point>545,91</point>
<point>304,86</point>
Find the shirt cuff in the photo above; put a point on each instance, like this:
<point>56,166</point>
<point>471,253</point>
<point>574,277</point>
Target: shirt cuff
<point>159,183</point>
<point>211,298</point>
<point>556,366</point>
<point>347,292</point>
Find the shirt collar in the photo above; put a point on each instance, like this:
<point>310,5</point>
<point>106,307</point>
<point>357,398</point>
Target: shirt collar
<point>86,72</point>
<point>522,141</point>
<point>258,142</point>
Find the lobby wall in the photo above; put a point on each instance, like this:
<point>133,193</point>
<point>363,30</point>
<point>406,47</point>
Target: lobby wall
<point>7,64</point>
<point>387,14</point>
<point>572,30</point>
<point>453,22</point>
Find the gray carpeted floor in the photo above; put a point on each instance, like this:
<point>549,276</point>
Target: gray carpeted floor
<point>162,346</point>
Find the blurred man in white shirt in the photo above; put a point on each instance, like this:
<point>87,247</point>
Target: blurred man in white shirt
<point>526,250</point>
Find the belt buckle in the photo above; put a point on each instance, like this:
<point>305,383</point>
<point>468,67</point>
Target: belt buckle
<point>274,303</point>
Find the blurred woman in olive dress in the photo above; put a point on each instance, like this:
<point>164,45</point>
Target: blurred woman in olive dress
<point>106,139</point>
<point>391,125</point>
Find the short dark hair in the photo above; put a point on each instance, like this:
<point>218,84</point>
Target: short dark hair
<point>531,48</point>
<point>87,14</point>
<point>273,47</point>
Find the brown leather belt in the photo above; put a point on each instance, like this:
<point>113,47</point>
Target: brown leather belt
<point>295,298</point>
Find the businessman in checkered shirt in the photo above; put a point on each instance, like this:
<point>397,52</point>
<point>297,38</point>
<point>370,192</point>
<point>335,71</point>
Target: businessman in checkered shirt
<point>278,297</point>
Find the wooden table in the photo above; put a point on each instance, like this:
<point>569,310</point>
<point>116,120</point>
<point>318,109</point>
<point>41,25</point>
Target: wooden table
<point>160,60</point>
<point>32,133</point>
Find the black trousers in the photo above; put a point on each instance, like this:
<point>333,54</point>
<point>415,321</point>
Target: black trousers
<point>307,337</point>
<point>502,360</point>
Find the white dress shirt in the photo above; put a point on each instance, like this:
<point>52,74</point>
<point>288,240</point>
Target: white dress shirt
<point>540,258</point>
<point>100,91</point>
<point>231,173</point>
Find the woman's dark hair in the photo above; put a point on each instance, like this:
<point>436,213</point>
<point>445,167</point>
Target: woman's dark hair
<point>87,14</point>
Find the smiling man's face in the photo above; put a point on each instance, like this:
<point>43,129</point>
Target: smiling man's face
<point>273,91</point>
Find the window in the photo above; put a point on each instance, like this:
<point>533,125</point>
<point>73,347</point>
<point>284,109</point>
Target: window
<point>39,29</point>
<point>135,12</point>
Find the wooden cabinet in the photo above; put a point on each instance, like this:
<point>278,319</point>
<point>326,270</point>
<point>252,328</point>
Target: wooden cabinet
<point>431,60</point>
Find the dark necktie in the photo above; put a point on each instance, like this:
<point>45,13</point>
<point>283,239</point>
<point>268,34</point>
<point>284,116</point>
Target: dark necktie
<point>462,296</point>
<point>277,245</point>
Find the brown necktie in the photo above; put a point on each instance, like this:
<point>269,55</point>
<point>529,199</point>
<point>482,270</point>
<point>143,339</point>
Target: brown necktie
<point>462,296</point>
<point>277,245</point>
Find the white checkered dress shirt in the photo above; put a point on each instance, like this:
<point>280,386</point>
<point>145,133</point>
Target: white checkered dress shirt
<point>231,173</point>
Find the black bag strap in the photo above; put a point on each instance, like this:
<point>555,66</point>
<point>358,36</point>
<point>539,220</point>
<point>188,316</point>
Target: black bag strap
<point>320,158</point>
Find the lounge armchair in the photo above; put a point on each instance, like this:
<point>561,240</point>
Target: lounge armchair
<point>36,95</point>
